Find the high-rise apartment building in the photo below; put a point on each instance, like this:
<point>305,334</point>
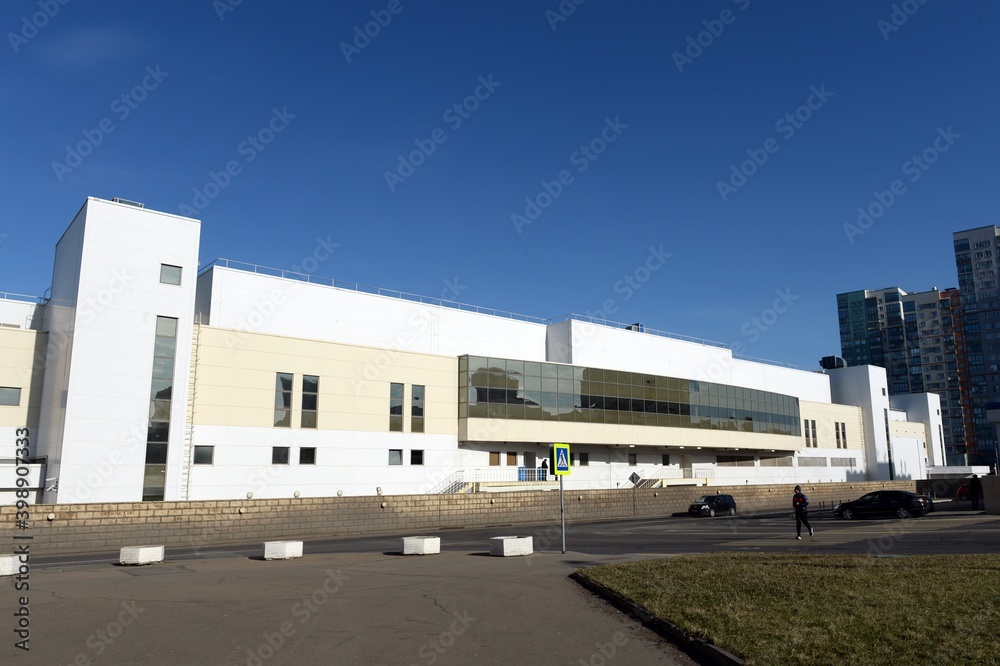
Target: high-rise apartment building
<point>916,338</point>
<point>976,261</point>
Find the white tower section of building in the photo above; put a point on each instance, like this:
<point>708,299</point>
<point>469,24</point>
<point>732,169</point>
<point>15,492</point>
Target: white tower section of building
<point>118,267</point>
<point>867,387</point>
<point>925,408</point>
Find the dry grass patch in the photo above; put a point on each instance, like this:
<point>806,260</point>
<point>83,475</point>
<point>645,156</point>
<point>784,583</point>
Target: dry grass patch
<point>825,609</point>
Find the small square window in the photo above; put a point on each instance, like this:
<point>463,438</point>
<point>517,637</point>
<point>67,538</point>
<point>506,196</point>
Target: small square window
<point>204,455</point>
<point>307,455</point>
<point>170,274</point>
<point>395,456</point>
<point>584,459</point>
<point>10,397</point>
<point>416,457</point>
<point>632,460</point>
<point>279,455</point>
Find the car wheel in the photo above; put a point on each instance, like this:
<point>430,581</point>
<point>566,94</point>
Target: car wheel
<point>732,511</point>
<point>964,497</point>
<point>903,512</point>
<point>711,513</point>
<point>847,514</point>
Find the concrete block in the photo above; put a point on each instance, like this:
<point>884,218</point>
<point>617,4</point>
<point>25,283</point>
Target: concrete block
<point>8,565</point>
<point>421,545</point>
<point>508,546</point>
<point>282,550</point>
<point>141,554</point>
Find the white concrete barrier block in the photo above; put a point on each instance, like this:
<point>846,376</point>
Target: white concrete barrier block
<point>421,545</point>
<point>141,554</point>
<point>8,565</point>
<point>508,546</point>
<point>282,550</point>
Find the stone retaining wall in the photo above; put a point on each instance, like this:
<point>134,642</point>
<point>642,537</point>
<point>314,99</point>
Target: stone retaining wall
<point>76,528</point>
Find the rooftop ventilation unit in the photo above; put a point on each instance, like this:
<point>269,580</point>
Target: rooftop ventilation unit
<point>137,204</point>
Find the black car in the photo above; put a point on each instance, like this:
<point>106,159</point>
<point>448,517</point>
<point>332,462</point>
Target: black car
<point>899,503</point>
<point>713,505</point>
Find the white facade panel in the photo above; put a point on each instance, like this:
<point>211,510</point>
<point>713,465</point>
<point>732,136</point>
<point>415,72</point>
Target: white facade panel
<point>118,297</point>
<point>356,463</point>
<point>265,304</point>
<point>20,313</point>
<point>599,346</point>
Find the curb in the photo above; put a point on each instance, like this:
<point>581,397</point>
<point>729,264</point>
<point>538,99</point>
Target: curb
<point>711,654</point>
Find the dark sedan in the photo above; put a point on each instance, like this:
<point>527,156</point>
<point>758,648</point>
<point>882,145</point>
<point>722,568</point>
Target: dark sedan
<point>899,503</point>
<point>713,505</point>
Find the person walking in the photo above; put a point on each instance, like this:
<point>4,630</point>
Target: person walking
<point>975,490</point>
<point>800,503</point>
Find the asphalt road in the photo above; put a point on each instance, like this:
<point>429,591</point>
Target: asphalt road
<point>944,531</point>
<point>357,600</point>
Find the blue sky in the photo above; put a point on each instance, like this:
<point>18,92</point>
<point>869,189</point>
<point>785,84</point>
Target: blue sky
<point>588,166</point>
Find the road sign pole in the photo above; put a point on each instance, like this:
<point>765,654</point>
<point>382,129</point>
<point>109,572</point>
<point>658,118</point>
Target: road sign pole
<point>562,513</point>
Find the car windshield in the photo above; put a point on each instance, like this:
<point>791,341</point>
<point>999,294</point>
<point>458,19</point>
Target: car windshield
<point>701,500</point>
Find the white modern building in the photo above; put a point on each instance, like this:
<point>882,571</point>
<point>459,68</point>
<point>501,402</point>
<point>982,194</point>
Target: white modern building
<point>142,378</point>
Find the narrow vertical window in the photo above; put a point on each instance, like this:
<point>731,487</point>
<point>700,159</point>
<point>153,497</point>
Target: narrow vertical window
<point>836,427</point>
<point>815,439</point>
<point>310,400</point>
<point>160,393</point>
<point>283,400</point>
<point>417,409</point>
<point>395,407</point>
<point>843,433</point>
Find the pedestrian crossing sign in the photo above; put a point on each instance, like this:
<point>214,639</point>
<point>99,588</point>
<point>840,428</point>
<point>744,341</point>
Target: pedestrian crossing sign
<point>560,466</point>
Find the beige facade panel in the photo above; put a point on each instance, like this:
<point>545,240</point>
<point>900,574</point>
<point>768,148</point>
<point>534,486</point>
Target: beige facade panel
<point>235,383</point>
<point>498,430</point>
<point>908,429</point>
<point>20,368</point>
<point>826,415</point>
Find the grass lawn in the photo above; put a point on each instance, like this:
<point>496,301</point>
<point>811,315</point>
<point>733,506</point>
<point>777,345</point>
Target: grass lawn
<point>825,609</point>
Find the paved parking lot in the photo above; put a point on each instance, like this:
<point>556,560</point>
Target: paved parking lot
<point>356,600</point>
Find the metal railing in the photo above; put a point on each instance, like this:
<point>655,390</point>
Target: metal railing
<point>368,289</point>
<point>10,296</point>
